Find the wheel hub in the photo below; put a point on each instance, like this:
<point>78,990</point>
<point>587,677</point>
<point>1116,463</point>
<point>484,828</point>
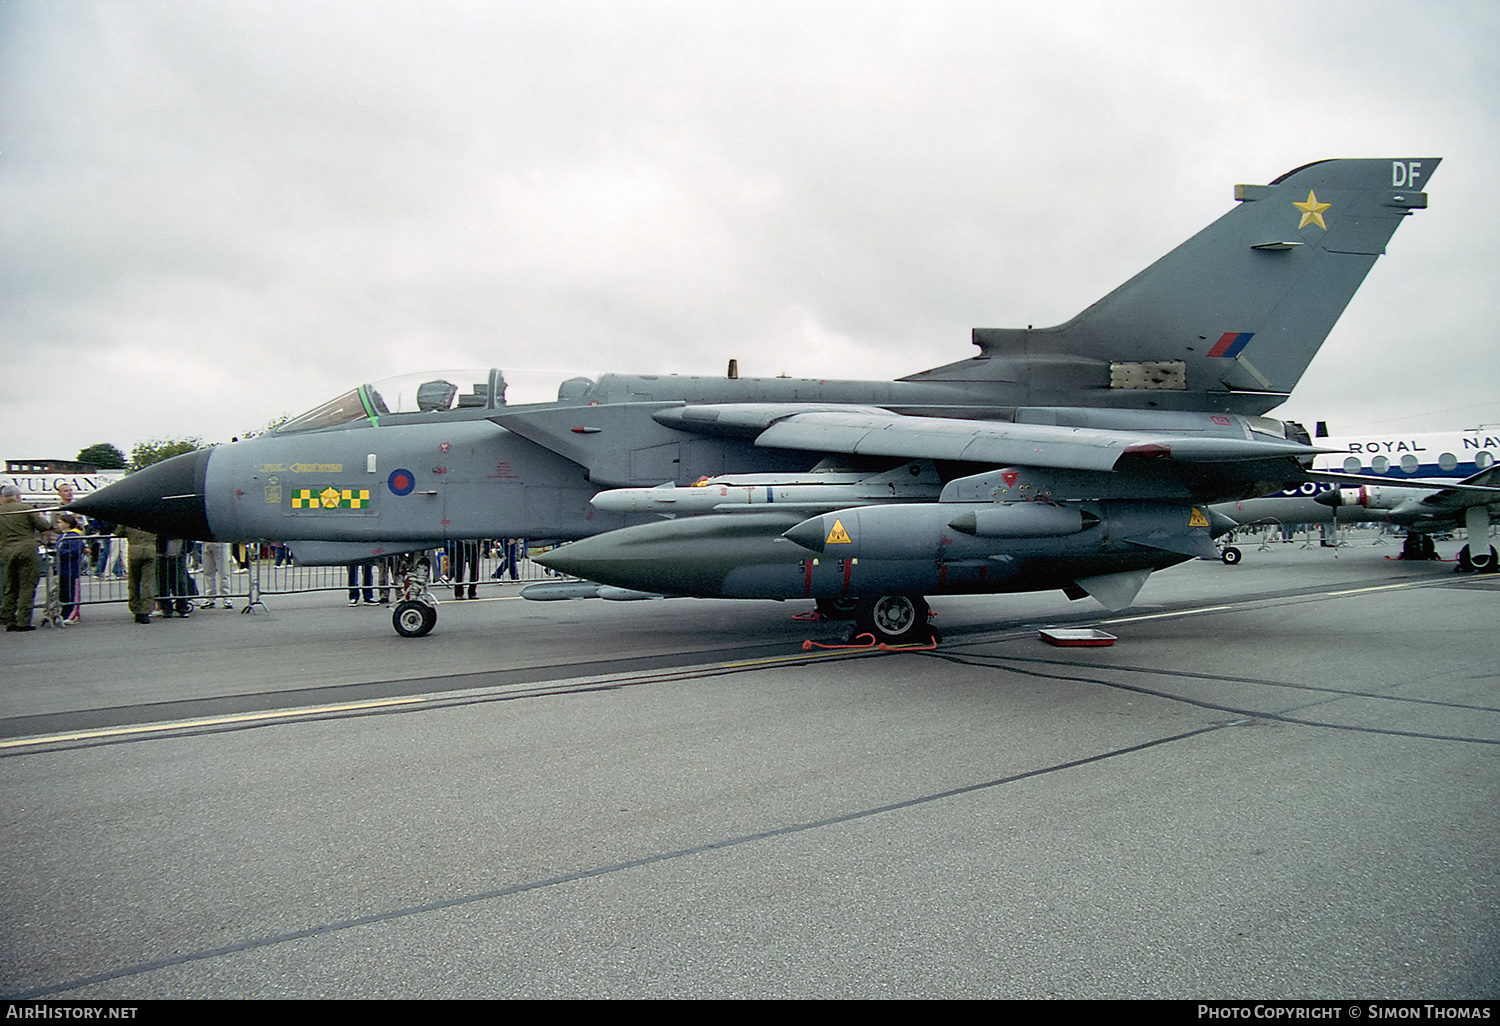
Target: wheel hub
<point>895,614</point>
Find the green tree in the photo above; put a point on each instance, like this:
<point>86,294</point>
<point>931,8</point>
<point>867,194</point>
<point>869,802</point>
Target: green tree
<point>271,425</point>
<point>146,453</point>
<point>102,455</point>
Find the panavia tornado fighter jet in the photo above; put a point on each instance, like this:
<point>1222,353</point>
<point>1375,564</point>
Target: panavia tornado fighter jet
<point>1080,457</point>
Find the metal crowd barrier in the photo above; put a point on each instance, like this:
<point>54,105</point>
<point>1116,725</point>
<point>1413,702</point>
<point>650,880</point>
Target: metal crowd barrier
<point>254,571</point>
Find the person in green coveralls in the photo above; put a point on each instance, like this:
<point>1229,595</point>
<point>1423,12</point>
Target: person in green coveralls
<point>18,537</point>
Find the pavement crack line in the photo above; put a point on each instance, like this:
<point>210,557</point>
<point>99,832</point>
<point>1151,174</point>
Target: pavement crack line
<point>1253,714</point>
<point>1228,679</point>
<point>337,926</point>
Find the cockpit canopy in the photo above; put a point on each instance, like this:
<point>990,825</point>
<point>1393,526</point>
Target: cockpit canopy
<point>423,393</point>
<point>426,392</point>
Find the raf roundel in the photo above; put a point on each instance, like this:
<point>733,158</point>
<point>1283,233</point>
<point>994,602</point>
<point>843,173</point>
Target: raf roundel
<point>401,482</point>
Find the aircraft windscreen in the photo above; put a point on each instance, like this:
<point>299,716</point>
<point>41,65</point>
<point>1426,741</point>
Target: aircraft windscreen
<point>343,410</point>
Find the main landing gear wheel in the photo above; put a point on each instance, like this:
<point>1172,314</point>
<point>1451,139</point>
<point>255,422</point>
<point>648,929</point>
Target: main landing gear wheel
<point>894,620</point>
<point>413,619</point>
<point>1231,555</point>
<point>1484,563</point>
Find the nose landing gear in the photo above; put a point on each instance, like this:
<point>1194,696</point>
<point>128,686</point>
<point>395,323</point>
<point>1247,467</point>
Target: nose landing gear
<point>416,612</point>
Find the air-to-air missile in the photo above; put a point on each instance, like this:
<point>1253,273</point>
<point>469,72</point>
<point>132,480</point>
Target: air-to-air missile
<point>732,493</point>
<point>1143,407</point>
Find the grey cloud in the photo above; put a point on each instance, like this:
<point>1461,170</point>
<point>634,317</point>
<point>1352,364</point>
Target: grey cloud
<point>238,208</point>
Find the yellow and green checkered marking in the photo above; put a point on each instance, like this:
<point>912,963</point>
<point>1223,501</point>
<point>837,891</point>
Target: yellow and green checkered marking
<point>330,498</point>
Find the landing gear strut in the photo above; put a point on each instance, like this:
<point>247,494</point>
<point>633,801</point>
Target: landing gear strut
<point>1468,563</point>
<point>416,611</point>
<point>1473,557</point>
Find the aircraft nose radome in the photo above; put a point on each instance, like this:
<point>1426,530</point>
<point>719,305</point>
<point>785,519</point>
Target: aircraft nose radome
<point>166,497</point>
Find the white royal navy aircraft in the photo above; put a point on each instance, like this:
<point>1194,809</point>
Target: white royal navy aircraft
<point>1423,482</point>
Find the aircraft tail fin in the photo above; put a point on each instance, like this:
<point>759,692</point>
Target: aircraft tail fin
<point>1231,318</point>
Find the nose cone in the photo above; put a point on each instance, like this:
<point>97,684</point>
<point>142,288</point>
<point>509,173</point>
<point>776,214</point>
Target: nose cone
<point>166,498</point>
<point>575,558</point>
<point>1332,498</point>
<point>809,534</point>
<point>686,556</point>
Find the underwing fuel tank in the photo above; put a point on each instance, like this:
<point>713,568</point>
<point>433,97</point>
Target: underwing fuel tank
<point>896,549</point>
<point>955,530</point>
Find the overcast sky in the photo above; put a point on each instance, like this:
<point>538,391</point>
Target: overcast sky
<point>213,213</point>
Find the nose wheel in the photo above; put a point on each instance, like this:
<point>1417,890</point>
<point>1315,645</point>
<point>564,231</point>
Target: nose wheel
<point>416,613</point>
<point>414,618</point>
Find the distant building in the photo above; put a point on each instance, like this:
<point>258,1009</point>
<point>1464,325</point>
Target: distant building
<point>38,479</point>
<point>49,467</point>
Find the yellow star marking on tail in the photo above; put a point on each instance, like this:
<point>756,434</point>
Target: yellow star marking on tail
<point>838,536</point>
<point>1312,211</point>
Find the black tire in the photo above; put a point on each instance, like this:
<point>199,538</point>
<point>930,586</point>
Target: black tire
<point>838,608</point>
<point>894,619</point>
<point>1465,565</point>
<point>413,619</point>
<point>1231,556</point>
<point>1484,563</point>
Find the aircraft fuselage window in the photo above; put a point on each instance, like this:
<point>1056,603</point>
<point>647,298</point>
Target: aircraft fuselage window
<point>1352,465</point>
<point>1380,464</point>
<point>1448,461</point>
<point>1409,463</point>
<point>1483,460</point>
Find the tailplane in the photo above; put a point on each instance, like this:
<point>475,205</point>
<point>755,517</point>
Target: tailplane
<point>1231,318</point>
